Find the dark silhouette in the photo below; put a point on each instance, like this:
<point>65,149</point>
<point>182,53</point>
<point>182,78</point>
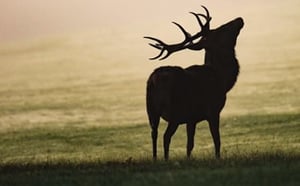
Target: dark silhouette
<point>198,92</point>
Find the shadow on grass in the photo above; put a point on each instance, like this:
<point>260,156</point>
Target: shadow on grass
<point>236,160</point>
<point>277,168</point>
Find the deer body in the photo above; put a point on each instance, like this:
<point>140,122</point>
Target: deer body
<point>195,93</point>
<point>184,95</point>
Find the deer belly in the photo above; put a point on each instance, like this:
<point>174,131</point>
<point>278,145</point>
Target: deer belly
<point>184,111</point>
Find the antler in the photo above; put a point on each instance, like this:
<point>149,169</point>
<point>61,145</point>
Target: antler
<point>169,48</point>
<point>187,42</point>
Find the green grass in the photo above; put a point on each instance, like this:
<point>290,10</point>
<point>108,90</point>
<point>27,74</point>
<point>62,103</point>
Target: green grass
<point>248,134</point>
<point>256,150</point>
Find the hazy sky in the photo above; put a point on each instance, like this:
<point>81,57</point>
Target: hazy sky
<point>30,18</point>
<point>23,18</point>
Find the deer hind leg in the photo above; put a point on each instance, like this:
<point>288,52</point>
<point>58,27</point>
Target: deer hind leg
<point>190,130</point>
<point>214,129</point>
<point>172,127</point>
<point>154,122</point>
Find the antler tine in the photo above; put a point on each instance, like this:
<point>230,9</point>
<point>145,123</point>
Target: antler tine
<point>157,40</point>
<point>207,12</point>
<point>186,34</point>
<point>160,46</point>
<point>204,27</point>
<point>207,17</point>
<point>158,56</point>
<point>198,19</point>
<point>167,55</point>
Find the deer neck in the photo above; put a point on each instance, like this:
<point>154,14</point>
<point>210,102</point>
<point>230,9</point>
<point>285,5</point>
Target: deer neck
<point>226,66</point>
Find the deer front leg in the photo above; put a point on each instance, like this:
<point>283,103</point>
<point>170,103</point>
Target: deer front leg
<point>190,130</point>
<point>172,127</point>
<point>214,129</point>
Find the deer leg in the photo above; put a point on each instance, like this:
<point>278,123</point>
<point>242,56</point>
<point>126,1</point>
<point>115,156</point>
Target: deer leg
<point>190,130</point>
<point>214,129</point>
<point>154,143</point>
<point>172,127</point>
<point>154,126</point>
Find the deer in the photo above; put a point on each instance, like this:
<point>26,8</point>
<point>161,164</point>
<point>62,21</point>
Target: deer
<point>196,93</point>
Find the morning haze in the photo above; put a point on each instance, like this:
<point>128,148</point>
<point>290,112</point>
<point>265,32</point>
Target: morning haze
<point>73,85</point>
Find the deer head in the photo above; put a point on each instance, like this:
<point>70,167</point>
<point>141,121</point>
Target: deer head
<point>222,37</point>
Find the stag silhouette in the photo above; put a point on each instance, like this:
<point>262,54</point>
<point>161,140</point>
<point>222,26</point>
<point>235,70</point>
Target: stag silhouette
<point>198,92</point>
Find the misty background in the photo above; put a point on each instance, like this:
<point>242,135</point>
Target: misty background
<point>30,19</point>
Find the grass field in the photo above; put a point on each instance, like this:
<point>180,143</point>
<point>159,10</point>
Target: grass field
<point>257,150</point>
<point>72,112</point>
